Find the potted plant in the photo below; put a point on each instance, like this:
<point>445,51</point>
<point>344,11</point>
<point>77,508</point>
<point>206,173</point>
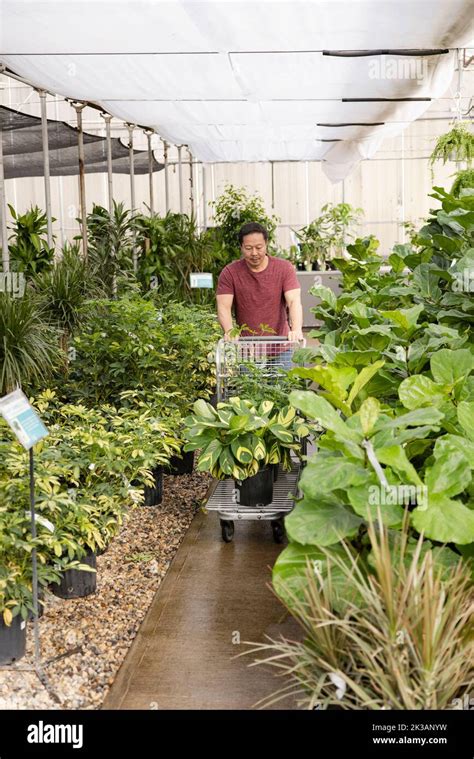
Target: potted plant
<point>456,145</point>
<point>326,236</point>
<point>15,600</point>
<point>240,439</point>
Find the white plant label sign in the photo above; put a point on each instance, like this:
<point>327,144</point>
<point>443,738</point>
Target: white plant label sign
<point>22,418</point>
<point>201,279</point>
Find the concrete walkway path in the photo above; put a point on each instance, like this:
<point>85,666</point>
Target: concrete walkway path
<point>213,595</point>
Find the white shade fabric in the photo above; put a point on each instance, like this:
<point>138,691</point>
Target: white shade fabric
<point>245,81</point>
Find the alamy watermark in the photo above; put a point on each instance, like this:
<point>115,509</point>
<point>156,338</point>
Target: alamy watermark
<point>13,283</point>
<point>399,67</point>
<point>463,281</point>
<point>466,702</point>
<point>401,495</point>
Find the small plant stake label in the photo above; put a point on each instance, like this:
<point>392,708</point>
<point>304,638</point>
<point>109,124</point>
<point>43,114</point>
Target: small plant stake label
<point>22,418</point>
<point>201,280</point>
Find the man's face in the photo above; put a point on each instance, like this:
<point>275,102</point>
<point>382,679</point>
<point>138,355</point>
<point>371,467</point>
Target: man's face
<point>254,249</point>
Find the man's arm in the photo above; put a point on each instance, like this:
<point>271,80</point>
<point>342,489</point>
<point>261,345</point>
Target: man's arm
<point>293,301</point>
<point>224,312</point>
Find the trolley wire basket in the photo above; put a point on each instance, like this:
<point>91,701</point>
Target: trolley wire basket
<point>264,359</point>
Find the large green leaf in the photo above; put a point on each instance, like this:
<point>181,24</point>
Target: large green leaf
<point>449,475</point>
<point>465,412</point>
<point>362,378</point>
<point>204,409</point>
<point>450,444</point>
<point>369,413</point>
<point>280,432</point>
<point>371,497</point>
<point>449,367</point>
<point>395,457</point>
<point>289,570</point>
<point>242,448</point>
<point>417,418</point>
<point>290,574</point>
<point>209,456</point>
<point>321,522</point>
<point>325,474</point>
<point>325,294</point>
<point>420,390</point>
<point>226,462</point>
<point>445,520</point>
<point>321,410</point>
<point>239,422</point>
<point>406,318</point>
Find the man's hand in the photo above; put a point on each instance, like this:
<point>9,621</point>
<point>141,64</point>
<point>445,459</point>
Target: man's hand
<point>230,338</point>
<point>295,334</point>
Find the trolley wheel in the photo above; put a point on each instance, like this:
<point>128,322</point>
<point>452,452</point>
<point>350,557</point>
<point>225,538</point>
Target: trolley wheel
<point>278,529</point>
<point>227,528</point>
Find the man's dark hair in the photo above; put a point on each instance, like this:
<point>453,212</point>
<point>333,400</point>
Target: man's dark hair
<point>250,228</point>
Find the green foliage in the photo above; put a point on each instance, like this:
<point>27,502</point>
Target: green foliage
<point>234,208</point>
<point>128,348</point>
<point>89,472</point>
<point>64,289</point>
<point>249,381</point>
<point>393,373</point>
<point>327,235</point>
<point>29,249</point>
<point>28,345</point>
<point>464,181</point>
<point>110,243</point>
<point>240,437</point>
<point>392,634</point>
<point>455,145</point>
<point>170,251</point>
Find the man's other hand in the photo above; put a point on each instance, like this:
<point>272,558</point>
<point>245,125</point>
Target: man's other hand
<point>295,335</point>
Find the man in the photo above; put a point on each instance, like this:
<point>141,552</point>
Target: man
<point>262,289</point>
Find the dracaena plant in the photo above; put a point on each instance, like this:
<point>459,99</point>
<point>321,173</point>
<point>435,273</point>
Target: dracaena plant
<point>402,642</point>
<point>238,437</point>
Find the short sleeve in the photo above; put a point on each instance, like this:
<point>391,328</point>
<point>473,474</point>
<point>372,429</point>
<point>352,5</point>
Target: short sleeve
<point>290,280</point>
<point>225,283</point>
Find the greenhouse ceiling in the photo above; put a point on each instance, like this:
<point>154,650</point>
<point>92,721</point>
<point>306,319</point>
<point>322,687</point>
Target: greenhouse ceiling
<point>246,81</point>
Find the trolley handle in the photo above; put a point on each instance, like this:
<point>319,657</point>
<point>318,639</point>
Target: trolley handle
<point>267,338</point>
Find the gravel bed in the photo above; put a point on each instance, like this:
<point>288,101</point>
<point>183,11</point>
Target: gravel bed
<point>92,635</point>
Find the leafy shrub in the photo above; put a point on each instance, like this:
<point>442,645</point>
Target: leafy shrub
<point>29,249</point>
<point>29,349</point>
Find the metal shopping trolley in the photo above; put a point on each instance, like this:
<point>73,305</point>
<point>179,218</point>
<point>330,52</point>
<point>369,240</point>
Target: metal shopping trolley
<point>264,359</point>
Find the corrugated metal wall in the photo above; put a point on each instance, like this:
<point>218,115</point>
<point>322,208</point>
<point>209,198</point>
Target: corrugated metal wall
<point>391,188</point>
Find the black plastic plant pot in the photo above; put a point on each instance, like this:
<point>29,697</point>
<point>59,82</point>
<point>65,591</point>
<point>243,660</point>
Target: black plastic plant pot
<point>256,490</point>
<point>154,494</point>
<point>182,465</point>
<point>77,583</point>
<point>275,469</point>
<point>12,640</point>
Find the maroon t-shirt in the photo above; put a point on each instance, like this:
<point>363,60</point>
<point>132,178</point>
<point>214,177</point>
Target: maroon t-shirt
<point>259,296</point>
